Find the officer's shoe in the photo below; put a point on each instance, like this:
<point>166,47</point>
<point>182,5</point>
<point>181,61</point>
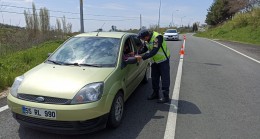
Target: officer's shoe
<point>154,95</point>
<point>163,100</point>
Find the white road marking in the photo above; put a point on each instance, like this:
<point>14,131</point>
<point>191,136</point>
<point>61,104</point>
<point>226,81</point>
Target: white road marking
<point>4,108</point>
<point>236,51</point>
<point>172,115</point>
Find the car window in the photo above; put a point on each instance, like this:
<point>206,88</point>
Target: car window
<point>88,50</point>
<point>128,49</point>
<point>171,31</point>
<point>137,43</point>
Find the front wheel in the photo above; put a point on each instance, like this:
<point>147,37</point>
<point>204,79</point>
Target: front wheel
<point>116,112</point>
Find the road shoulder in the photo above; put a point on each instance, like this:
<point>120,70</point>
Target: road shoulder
<point>248,49</point>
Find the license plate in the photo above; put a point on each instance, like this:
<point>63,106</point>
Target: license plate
<point>36,112</point>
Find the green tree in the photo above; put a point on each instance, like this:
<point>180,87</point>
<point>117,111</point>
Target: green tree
<point>218,12</point>
<point>195,27</point>
<point>222,10</point>
<point>44,21</point>
<point>35,20</point>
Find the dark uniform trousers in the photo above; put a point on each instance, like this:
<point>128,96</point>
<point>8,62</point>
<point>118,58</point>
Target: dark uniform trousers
<point>161,70</point>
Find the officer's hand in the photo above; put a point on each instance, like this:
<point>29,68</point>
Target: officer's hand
<point>138,57</point>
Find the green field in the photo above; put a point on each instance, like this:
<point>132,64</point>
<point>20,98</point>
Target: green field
<point>15,64</point>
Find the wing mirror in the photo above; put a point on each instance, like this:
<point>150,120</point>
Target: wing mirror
<point>131,60</point>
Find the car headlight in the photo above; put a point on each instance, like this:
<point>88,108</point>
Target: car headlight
<point>89,93</point>
<point>17,82</point>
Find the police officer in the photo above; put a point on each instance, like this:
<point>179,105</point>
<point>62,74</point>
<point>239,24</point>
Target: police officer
<point>159,54</point>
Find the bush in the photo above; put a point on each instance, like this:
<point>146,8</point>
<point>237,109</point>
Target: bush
<point>255,20</point>
<point>239,21</point>
<point>246,19</point>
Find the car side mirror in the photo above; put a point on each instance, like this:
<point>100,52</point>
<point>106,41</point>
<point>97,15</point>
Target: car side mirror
<point>131,60</point>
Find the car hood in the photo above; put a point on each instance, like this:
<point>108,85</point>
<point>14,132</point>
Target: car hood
<point>60,81</point>
<point>171,34</point>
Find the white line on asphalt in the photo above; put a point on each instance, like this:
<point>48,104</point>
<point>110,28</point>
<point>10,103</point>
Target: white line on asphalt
<point>236,51</point>
<point>172,115</point>
<point>3,108</point>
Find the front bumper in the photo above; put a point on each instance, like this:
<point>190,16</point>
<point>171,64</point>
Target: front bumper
<point>171,37</point>
<point>82,118</point>
<point>63,127</point>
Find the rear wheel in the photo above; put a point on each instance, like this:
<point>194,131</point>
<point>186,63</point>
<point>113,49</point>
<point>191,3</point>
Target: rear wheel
<point>116,112</point>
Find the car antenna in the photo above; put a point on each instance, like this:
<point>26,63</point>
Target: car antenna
<point>100,29</point>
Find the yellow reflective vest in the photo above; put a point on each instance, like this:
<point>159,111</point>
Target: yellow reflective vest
<point>160,55</point>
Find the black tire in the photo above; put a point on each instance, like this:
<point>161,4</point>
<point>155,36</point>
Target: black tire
<point>117,111</point>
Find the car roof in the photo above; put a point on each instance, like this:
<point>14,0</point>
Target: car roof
<point>105,34</point>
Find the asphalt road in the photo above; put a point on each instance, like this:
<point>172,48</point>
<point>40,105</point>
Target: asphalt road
<point>219,98</point>
<point>222,90</point>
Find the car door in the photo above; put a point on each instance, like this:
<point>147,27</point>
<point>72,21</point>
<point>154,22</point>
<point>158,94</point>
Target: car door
<point>142,64</point>
<point>130,70</point>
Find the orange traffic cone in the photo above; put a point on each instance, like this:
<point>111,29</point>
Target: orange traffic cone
<point>182,51</point>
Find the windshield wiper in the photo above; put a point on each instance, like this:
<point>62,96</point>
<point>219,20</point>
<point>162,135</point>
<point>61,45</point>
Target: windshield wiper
<point>77,64</point>
<point>91,65</point>
<point>55,62</point>
<point>74,64</point>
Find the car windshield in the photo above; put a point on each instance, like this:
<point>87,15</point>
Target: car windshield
<point>171,31</point>
<point>87,51</point>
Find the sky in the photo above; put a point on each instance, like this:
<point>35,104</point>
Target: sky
<point>124,14</point>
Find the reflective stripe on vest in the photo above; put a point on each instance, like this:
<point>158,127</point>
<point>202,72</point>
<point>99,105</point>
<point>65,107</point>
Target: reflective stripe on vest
<point>159,56</point>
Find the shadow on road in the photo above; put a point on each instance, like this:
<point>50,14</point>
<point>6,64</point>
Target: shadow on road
<point>185,107</point>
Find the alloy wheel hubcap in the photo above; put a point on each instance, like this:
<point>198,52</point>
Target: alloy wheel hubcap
<point>119,108</point>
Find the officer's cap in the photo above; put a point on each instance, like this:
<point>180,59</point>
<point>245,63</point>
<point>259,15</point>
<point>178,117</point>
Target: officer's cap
<point>143,33</point>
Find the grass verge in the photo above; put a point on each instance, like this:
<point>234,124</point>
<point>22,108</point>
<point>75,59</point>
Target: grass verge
<point>244,28</point>
<point>15,64</point>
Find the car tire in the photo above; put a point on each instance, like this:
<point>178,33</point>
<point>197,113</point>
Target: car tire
<point>146,76</point>
<point>116,112</point>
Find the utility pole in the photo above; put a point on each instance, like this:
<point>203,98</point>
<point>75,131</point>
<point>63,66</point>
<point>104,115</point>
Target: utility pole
<point>81,17</point>
<point>141,22</point>
<point>181,21</point>
<point>172,17</point>
<point>159,16</point>
<point>172,20</point>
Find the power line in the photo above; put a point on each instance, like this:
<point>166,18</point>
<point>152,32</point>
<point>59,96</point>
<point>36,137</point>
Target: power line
<point>36,9</point>
<point>19,7</point>
<point>72,18</point>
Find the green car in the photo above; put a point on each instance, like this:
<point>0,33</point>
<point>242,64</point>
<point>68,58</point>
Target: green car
<point>82,86</point>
